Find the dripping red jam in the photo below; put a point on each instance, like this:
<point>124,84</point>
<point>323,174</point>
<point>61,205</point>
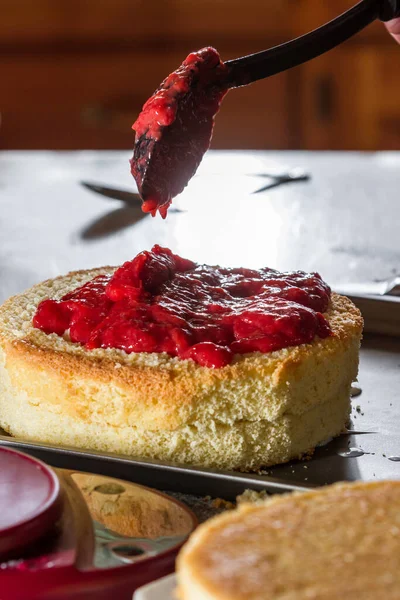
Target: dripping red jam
<point>160,302</point>
<point>175,127</point>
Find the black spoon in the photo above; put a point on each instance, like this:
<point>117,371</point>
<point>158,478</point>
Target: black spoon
<point>253,67</point>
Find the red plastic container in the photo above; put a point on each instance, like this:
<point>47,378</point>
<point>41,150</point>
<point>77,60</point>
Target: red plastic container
<point>74,535</point>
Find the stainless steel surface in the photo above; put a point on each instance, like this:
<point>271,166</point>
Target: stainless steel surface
<point>111,223</point>
<point>343,223</point>
<point>118,219</point>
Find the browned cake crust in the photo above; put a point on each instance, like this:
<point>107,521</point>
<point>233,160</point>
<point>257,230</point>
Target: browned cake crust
<point>162,407</point>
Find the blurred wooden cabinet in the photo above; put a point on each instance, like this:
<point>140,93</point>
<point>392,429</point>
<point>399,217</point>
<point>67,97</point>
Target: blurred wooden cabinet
<point>351,100</point>
<point>75,73</point>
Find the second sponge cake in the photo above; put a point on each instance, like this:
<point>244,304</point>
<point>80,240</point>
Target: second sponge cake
<point>342,541</point>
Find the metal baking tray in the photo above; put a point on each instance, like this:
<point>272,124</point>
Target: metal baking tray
<point>367,452</point>
<point>156,474</point>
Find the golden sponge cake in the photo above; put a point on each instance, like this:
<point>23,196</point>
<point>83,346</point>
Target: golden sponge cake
<point>260,410</point>
<point>342,541</point>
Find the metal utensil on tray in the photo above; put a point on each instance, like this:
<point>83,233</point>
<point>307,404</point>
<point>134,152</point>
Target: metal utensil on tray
<point>379,302</point>
<point>387,287</point>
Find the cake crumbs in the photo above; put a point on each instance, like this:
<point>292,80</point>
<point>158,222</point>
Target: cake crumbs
<point>251,496</point>
<point>224,504</point>
<point>263,472</point>
<point>307,455</point>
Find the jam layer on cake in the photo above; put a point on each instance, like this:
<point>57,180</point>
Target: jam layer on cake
<point>174,129</point>
<point>160,302</point>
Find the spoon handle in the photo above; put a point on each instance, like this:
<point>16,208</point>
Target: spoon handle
<point>247,69</point>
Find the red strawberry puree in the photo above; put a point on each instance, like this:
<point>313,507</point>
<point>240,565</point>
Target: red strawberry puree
<point>174,129</point>
<point>159,302</point>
